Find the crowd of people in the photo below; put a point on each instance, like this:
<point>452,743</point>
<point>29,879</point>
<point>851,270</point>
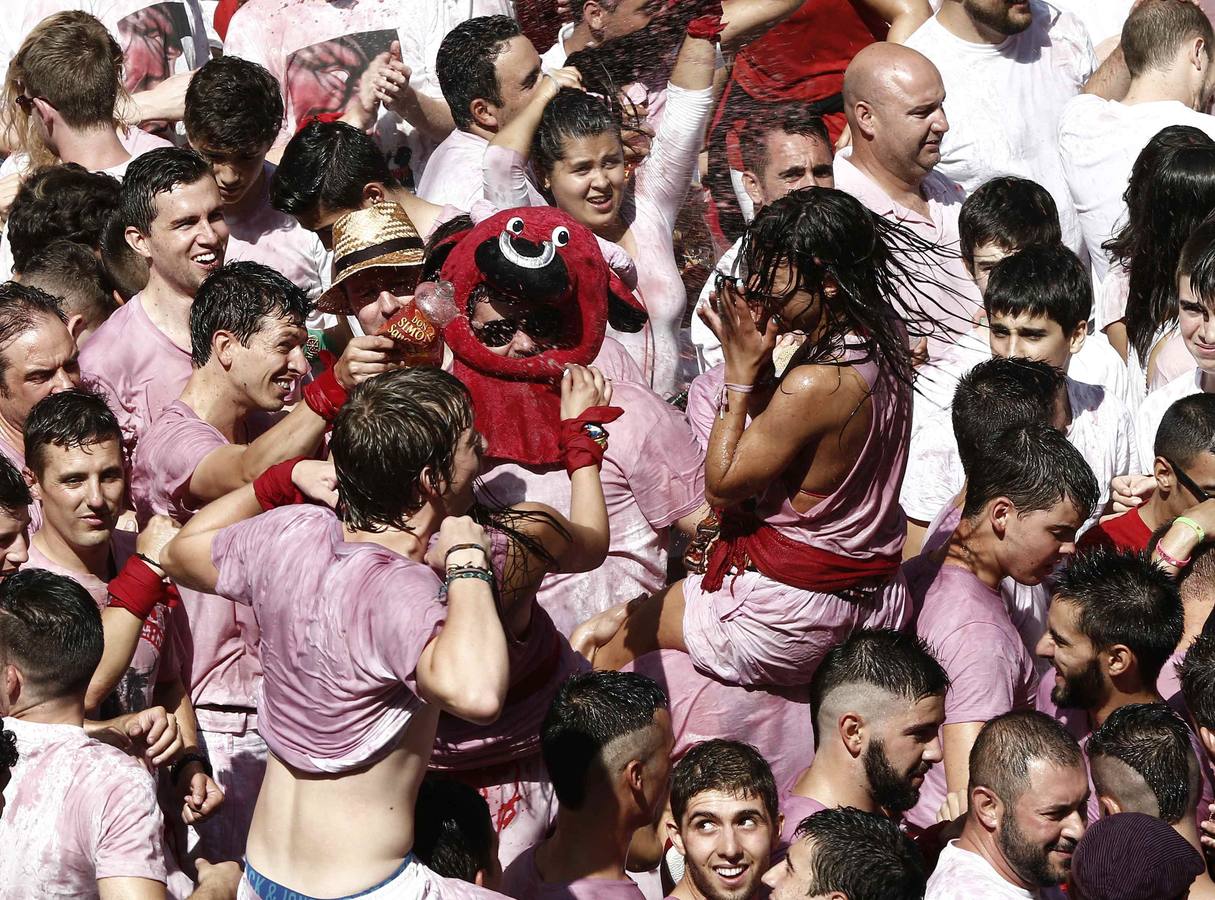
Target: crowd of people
<point>607,449</point>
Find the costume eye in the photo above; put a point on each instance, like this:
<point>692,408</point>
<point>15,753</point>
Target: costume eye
<point>515,226</point>
<point>561,235</point>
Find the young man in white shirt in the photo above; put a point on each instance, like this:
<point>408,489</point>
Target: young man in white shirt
<point>1028,792</point>
<point>1167,47</point>
<point>994,57</point>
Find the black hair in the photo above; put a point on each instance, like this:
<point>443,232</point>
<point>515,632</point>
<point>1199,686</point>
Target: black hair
<point>862,855</point>
<point>1197,673</point>
<point>1010,212</point>
<point>1187,429</point>
<point>571,114</point>
<point>392,427</point>
<point>1001,754</point>
<point>789,118</point>
<point>51,629</point>
<point>72,274</point>
<point>466,63</point>
<point>1035,467</point>
<point>21,309</point>
<point>591,710</point>
<point>125,270</point>
<point>14,492</point>
<point>327,165</point>
<point>897,662</point>
<point>65,201</point>
<point>8,749</point>
<point>730,767</point>
<point>1041,280</point>
<point>237,297</point>
<point>998,394</point>
<point>68,419</point>
<point>1154,741</point>
<point>453,831</point>
<point>233,106</point>
<point>156,172</point>
<point>1124,598</point>
<point>827,236</point>
<point>1177,194</point>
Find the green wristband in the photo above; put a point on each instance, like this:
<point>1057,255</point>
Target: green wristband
<point>1186,520</point>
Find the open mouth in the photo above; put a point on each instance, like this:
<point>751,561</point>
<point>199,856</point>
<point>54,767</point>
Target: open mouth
<point>730,873</point>
<point>208,260</point>
<point>600,203</point>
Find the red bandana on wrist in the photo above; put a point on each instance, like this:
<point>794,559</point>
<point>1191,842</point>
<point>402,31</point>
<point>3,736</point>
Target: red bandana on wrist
<point>542,255</point>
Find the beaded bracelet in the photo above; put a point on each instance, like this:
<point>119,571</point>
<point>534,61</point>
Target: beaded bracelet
<point>1198,530</point>
<point>454,547</point>
<point>479,574</point>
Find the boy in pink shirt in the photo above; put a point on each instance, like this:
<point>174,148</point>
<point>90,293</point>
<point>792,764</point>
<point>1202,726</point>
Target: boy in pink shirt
<point>233,112</point>
<point>140,357</point>
<point>1026,497</point>
<point>80,816</point>
<point>349,702</point>
<point>607,745</point>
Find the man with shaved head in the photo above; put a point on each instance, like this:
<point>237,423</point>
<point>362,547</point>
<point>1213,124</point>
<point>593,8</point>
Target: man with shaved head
<point>894,100</point>
<point>1009,67</point>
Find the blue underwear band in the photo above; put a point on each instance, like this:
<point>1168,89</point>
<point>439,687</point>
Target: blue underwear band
<point>272,890</point>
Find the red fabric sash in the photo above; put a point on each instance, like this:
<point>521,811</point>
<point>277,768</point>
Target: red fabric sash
<point>746,541</point>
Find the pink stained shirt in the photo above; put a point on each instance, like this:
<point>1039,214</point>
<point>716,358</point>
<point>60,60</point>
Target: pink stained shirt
<point>220,649</point>
<point>138,368</point>
<point>264,235</point>
<point>956,304</point>
<point>76,811</point>
<point>134,690</point>
<point>967,625</point>
<point>450,179</point>
<point>661,187</point>
<point>522,881</point>
<point>795,808</point>
<point>342,628</point>
<point>652,474</point>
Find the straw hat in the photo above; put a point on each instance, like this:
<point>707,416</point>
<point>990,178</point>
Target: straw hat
<point>380,236</point>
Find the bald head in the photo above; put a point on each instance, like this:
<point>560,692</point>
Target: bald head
<point>894,100</point>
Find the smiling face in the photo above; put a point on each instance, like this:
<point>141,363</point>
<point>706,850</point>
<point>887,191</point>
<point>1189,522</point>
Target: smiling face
<point>188,236</point>
<point>1039,831</point>
<point>267,370</point>
<point>1080,682</point>
<point>81,490</point>
<point>726,842</point>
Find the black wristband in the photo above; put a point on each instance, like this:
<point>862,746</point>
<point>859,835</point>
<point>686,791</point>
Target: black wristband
<point>186,759</point>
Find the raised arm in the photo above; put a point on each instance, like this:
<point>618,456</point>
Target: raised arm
<point>903,16</point>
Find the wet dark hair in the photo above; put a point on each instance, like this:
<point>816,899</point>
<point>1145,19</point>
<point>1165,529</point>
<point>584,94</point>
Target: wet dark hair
<point>233,106</point>
<point>825,235</point>
<point>21,308</point>
<point>998,394</point>
<point>8,749</point>
<point>327,165</point>
<point>453,831</point>
<point>467,63</point>
<point>571,114</point>
<point>1124,598</point>
<point>1041,280</point>
<point>1002,753</point>
<point>789,118</point>
<point>68,419</point>
<point>1187,429</point>
<point>1154,741</point>
<point>51,628</point>
<point>391,428</point>
<point>1035,467</point>
<point>156,172</point>
<point>591,710</point>
<point>14,492</point>
<point>125,270</point>
<point>1171,191</point>
<point>730,767</point>
<point>897,662</point>
<point>238,297</point>
<point>863,855</point>
<point>1009,212</point>
<point>1197,674</point>
<point>73,275</point>
<point>64,201</point>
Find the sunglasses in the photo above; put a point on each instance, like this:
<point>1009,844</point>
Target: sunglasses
<point>1188,483</point>
<point>541,324</point>
<point>25,104</point>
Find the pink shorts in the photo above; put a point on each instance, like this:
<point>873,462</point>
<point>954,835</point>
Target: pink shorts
<point>756,631</point>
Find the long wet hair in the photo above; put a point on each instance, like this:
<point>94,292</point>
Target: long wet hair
<point>825,236</point>
<point>1171,190</point>
<point>571,114</point>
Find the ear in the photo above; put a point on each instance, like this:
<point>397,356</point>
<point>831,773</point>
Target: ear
<point>11,693</point>
<point>866,121</point>
<point>1163,473</point>
<point>138,241</point>
<point>750,182</point>
<point>986,807</point>
<point>1078,336</point>
<point>223,347</point>
<point>852,733</point>
<point>45,112</point>
<point>594,15</point>
<point>374,192</point>
<point>483,115</point>
<point>1208,740</point>
<point>1119,660</point>
<point>479,878</point>
<point>999,514</point>
<point>1198,55</point>
<point>1109,806</point>
<point>426,484</point>
<point>675,836</point>
<point>32,483</point>
<point>75,326</point>
<point>777,830</point>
